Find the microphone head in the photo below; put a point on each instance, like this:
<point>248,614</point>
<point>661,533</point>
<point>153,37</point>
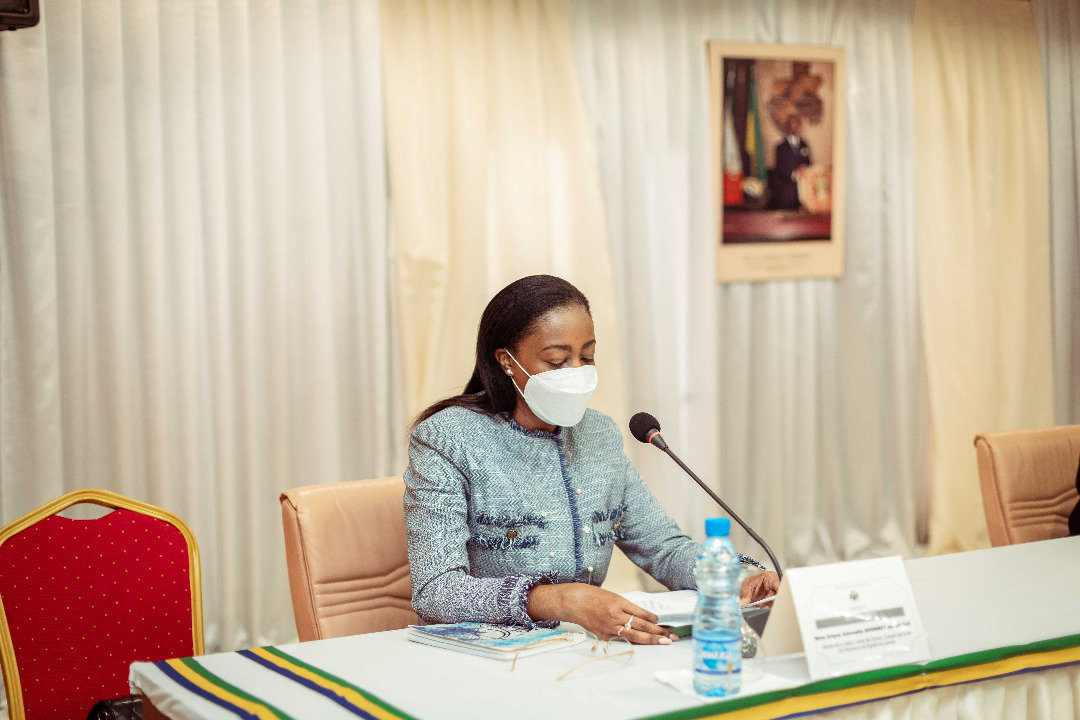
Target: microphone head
<point>642,425</point>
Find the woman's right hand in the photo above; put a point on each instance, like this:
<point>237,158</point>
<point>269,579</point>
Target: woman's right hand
<point>599,611</point>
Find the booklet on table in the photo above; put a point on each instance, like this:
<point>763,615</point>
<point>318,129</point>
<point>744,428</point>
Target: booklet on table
<point>502,642</point>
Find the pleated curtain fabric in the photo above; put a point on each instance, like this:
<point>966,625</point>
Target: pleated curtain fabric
<point>801,402</point>
<point>1058,23</point>
<point>196,309</point>
<point>493,176</point>
<point>205,299</point>
<point>983,226</point>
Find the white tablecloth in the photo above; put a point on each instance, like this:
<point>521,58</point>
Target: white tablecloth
<point>974,606</point>
<point>433,684</point>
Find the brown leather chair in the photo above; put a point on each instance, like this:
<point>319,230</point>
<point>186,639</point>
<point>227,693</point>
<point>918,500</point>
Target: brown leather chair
<point>1028,480</point>
<point>348,568</point>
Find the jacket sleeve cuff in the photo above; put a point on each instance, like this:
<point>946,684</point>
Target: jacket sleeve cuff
<point>514,597</point>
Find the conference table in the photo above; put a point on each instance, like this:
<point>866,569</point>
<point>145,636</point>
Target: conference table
<point>1003,626</point>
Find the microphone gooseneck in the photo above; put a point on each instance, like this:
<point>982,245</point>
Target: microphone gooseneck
<point>645,428</point>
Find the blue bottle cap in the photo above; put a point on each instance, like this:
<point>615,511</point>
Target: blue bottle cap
<point>717,527</point>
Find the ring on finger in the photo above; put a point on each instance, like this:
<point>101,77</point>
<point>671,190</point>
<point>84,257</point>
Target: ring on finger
<point>629,620</point>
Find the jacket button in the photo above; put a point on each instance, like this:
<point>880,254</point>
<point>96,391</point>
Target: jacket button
<point>551,554</point>
<point>585,529</point>
<point>511,534</point>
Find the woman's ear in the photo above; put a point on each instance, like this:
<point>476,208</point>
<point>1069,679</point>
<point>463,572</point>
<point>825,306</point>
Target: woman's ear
<point>505,361</point>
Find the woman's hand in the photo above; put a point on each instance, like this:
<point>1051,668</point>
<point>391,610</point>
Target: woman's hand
<point>599,611</point>
<point>757,587</point>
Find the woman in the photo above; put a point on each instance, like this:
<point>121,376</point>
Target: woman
<point>516,493</point>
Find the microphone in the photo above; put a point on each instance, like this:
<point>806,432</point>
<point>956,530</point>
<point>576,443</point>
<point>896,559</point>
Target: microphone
<point>646,429</point>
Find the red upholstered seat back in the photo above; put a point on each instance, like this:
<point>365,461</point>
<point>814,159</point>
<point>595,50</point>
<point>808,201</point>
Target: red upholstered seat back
<point>85,598</point>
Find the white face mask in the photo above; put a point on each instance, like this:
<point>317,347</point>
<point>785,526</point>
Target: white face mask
<point>558,397</point>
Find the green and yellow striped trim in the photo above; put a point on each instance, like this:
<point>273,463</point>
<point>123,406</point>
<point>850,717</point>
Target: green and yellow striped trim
<point>812,697</point>
<point>888,682</point>
<point>354,699</point>
<point>189,674</point>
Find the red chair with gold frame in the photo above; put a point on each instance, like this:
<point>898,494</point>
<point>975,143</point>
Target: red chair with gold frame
<point>82,599</point>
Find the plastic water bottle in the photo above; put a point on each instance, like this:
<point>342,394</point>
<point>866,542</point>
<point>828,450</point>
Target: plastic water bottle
<point>717,617</point>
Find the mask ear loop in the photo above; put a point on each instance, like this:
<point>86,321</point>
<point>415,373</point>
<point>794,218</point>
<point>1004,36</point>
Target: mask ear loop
<point>514,382</point>
<point>516,362</point>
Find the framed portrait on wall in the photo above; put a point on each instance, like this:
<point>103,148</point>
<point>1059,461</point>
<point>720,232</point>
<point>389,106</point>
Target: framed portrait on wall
<point>778,156</point>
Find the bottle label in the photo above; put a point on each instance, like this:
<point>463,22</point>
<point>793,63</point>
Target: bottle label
<point>719,656</point>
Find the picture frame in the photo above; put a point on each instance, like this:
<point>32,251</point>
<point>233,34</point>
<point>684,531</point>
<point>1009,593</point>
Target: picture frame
<point>777,120</point>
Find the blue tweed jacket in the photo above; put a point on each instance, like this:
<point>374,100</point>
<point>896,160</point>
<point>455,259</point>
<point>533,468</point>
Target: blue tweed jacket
<point>491,509</point>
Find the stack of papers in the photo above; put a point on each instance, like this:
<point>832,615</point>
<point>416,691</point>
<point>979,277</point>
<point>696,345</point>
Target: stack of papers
<point>502,642</point>
<point>674,609</point>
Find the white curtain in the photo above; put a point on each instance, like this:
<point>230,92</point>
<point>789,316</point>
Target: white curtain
<point>194,272</point>
<point>494,177</point>
<point>801,402</point>
<point>1058,24</point>
<point>984,255</point>
<point>195,293</point>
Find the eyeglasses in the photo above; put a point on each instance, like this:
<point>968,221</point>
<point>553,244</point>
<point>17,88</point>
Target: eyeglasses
<point>563,638</point>
<point>593,648</point>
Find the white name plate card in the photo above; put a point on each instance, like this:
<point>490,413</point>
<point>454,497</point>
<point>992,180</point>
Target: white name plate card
<point>851,617</point>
